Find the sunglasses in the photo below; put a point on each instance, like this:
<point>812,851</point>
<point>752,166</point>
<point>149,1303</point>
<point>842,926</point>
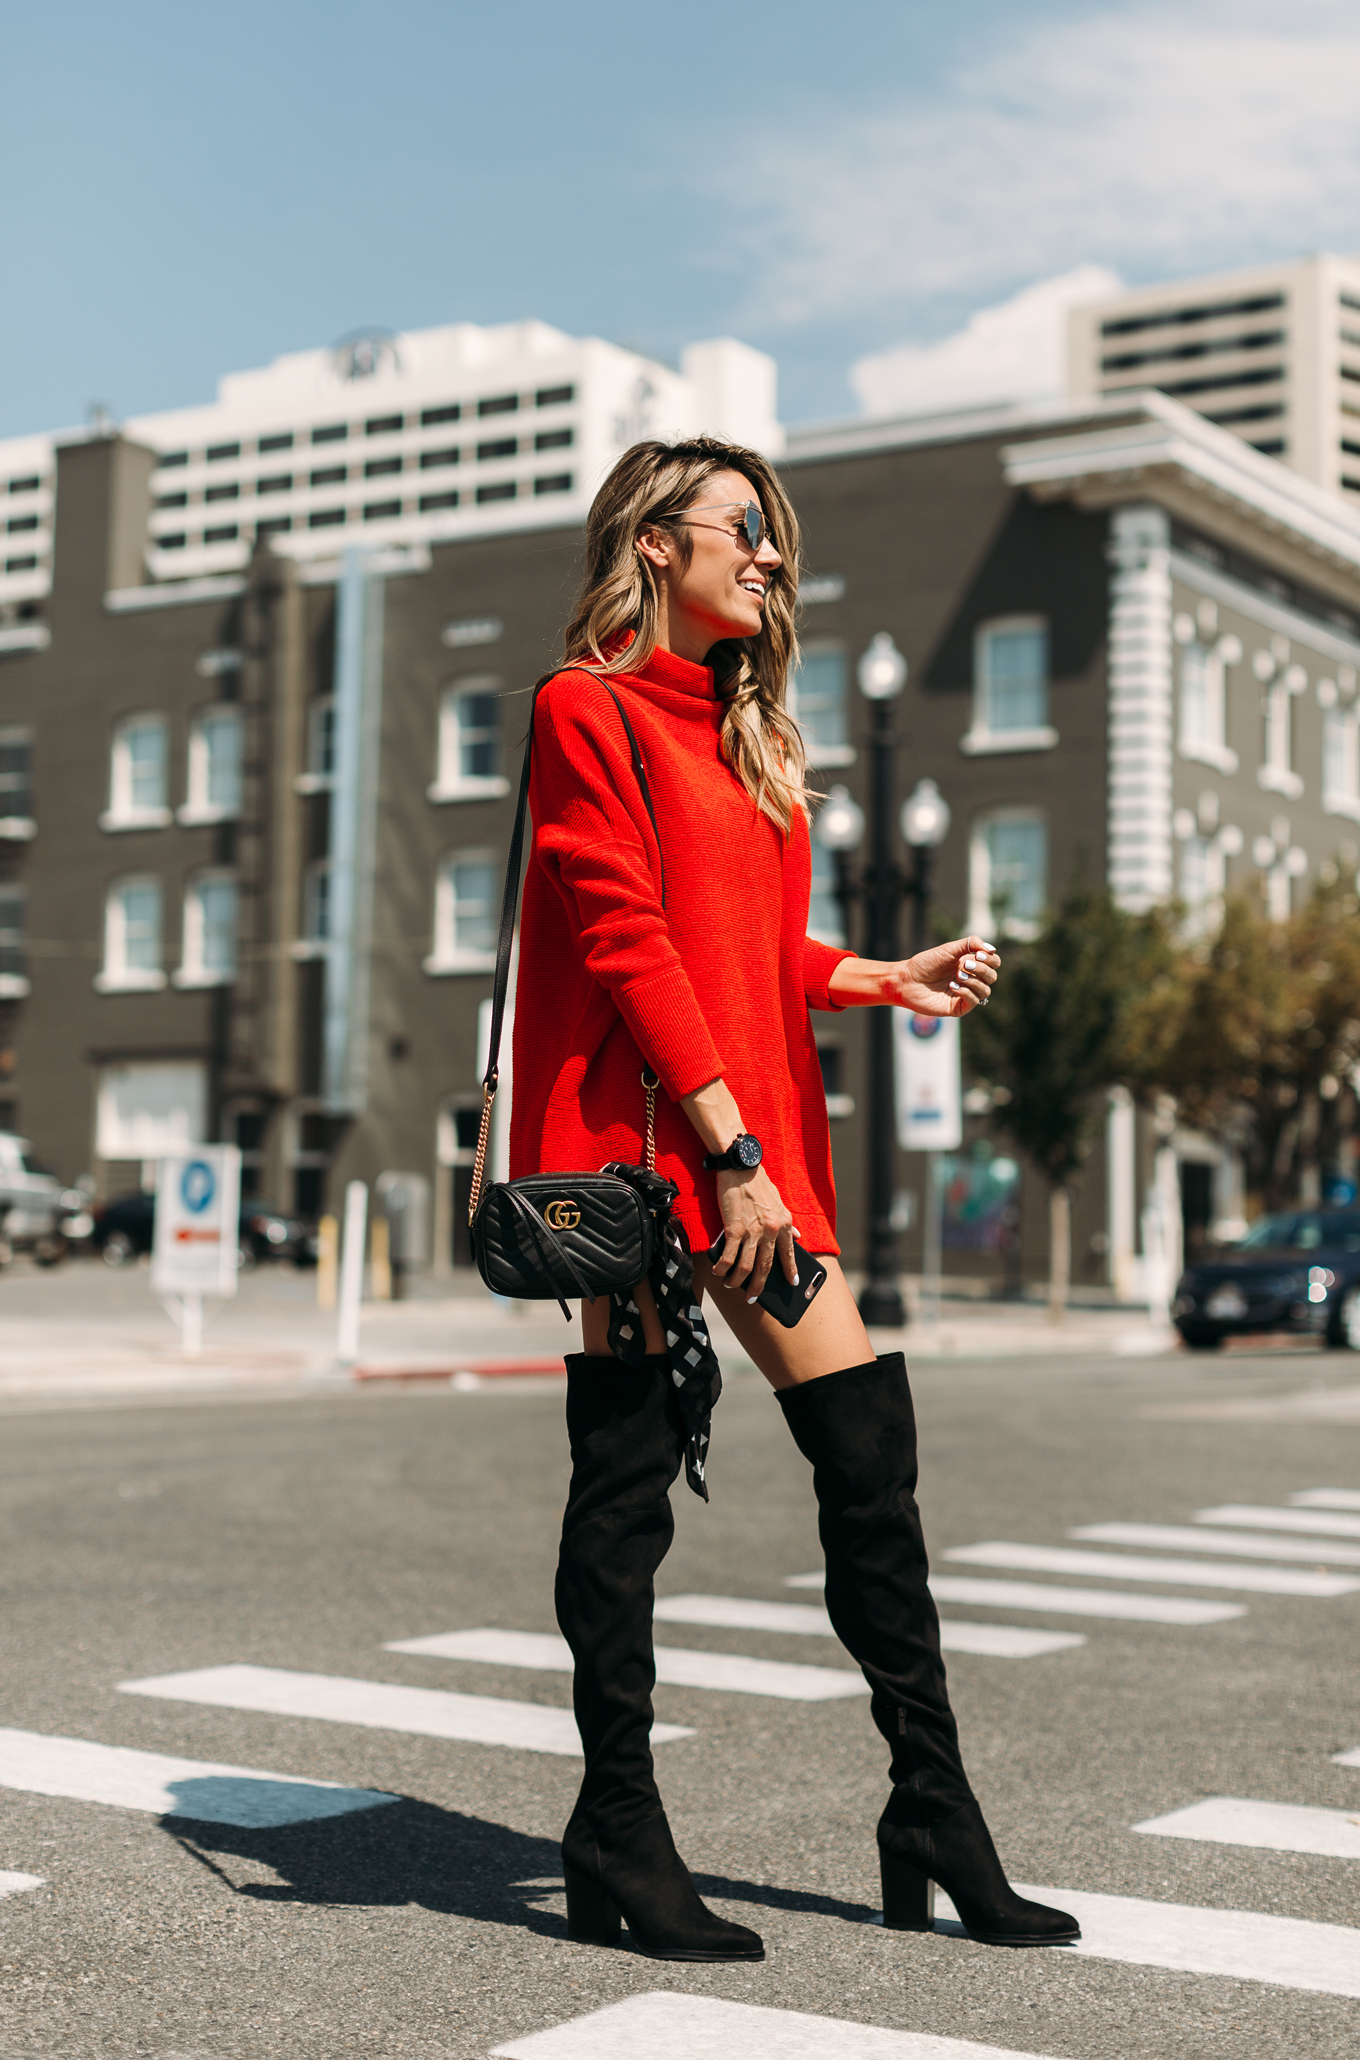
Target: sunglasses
<point>752,525</point>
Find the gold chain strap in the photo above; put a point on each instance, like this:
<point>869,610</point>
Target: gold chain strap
<point>650,1082</point>
<point>479,1163</point>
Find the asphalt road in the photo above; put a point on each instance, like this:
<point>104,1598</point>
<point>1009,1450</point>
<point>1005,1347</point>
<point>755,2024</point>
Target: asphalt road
<point>305,1531</point>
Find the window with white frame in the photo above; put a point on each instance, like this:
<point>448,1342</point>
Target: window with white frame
<point>137,775</point>
<point>470,748</point>
<point>1340,754</point>
<point>319,776</point>
<point>1203,696</point>
<point>1276,772</point>
<point>1008,872</point>
<point>214,785</point>
<point>1010,686</point>
<point>1200,881</point>
<point>209,952</point>
<point>132,937</point>
<point>820,698</point>
<point>13,969</point>
<point>464,914</point>
<point>316,910</point>
<point>825,920</point>
<point>16,783</point>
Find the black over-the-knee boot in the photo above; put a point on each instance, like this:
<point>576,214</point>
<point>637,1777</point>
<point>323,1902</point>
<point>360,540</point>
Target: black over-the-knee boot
<point>859,1431</point>
<point>617,1852</point>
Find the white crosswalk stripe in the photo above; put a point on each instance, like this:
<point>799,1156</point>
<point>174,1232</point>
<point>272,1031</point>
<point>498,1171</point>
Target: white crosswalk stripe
<point>675,1668</point>
<point>16,1884</point>
<point>671,2026</point>
<point>1315,1522</point>
<point>1191,1573</point>
<point>1347,1759</point>
<point>737,1613</point>
<point>1082,1602</point>
<point>1326,1498</point>
<point>84,1771</point>
<point>382,1706</point>
<point>1233,1544</point>
<point>1272,1827</point>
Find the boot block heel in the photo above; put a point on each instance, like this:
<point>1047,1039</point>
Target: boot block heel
<point>592,1916</point>
<point>908,1896</point>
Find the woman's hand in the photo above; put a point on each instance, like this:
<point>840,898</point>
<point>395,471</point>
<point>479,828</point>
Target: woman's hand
<point>757,1225</point>
<point>944,980</point>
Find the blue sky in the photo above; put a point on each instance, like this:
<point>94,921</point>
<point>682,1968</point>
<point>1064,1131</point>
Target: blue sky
<point>192,190</point>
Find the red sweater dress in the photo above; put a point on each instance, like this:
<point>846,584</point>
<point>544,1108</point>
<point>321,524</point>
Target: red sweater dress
<point>718,983</point>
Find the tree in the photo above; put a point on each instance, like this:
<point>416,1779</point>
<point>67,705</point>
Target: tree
<point>1075,1011</point>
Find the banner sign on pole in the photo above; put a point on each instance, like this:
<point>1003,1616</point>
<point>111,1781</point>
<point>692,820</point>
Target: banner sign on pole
<point>929,1090</point>
<point>198,1207</point>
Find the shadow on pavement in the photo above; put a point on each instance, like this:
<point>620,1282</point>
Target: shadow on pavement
<point>415,1852</point>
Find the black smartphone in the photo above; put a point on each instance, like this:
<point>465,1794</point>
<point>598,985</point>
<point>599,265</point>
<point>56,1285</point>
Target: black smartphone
<point>781,1297</point>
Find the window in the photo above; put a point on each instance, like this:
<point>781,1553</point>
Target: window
<point>25,486</point>
<point>180,500</point>
<point>274,526</point>
<point>1276,772</point>
<point>381,511</point>
<point>175,542</point>
<point>831,1058</point>
<point>19,524</point>
<point>464,914</point>
<point>320,774</point>
<point>430,417</point>
<point>504,490</point>
<point>554,396</point>
<point>555,483</point>
<point>169,458</point>
<point>282,440</point>
<point>214,785</point>
<point>554,439</point>
<point>325,518</point>
<point>825,920</point>
<point>1010,687</point>
<point>336,432</point>
<point>429,502</point>
<point>470,753</point>
<point>1340,759</point>
<point>277,483</point>
<point>223,493</point>
<point>430,458</point>
<point>16,783</point>
<point>13,970</point>
<point>29,564</point>
<point>1008,872</point>
<point>132,937</point>
<point>820,704</point>
<point>316,906</point>
<point>499,447</point>
<point>379,468</point>
<point>329,475</point>
<point>501,404</point>
<point>218,451</point>
<point>226,533</point>
<point>137,776</point>
<point>209,951</point>
<point>1201,881</point>
<point>383,425</point>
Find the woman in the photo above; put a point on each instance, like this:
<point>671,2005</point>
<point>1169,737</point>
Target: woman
<point>679,944</point>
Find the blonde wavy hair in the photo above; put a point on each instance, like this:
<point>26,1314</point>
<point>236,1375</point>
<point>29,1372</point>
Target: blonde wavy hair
<point>646,489</point>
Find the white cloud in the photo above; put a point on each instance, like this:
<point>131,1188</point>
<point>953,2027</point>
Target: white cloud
<point>1160,139</point>
<point>1013,352</point>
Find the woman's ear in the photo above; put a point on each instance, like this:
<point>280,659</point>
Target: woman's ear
<point>656,547</point>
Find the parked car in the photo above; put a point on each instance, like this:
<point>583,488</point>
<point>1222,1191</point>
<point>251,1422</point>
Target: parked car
<point>37,1214</point>
<point>1298,1271</point>
<point>125,1227</point>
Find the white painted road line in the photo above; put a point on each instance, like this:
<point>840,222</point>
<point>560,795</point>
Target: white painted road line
<point>1347,1759</point>
<point>1117,1566</point>
<point>1082,1602</point>
<point>381,1706</point>
<point>15,1884</point>
<point>671,2026</point>
<point>1233,1544</point>
<point>1326,1498</point>
<point>1287,1952</point>
<point>735,1613</point>
<point>674,1668</point>
<point>1273,1827</point>
<point>1246,1516</point>
<point>82,1771</point>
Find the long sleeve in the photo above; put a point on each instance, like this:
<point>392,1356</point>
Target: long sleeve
<point>819,963</point>
<point>593,838</point>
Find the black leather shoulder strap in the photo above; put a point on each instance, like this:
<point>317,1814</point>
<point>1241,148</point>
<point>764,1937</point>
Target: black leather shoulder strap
<point>515,860</point>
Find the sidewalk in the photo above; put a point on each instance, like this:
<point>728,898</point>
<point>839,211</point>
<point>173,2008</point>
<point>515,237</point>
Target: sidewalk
<point>80,1332</point>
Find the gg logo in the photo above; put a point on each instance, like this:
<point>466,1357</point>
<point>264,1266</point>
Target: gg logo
<point>562,1215</point>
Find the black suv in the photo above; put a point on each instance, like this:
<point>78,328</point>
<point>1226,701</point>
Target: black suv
<point>125,1228</point>
<point>1297,1271</point>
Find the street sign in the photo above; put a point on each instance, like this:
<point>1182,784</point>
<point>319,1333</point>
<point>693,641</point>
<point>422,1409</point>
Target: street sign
<point>929,1098</point>
<point>198,1205</point>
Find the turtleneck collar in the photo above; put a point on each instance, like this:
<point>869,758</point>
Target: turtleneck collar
<point>664,669</point>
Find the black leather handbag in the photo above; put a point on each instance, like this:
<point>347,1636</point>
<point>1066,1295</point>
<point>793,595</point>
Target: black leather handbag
<point>550,1235</point>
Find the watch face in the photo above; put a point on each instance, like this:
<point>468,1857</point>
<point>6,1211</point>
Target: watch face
<point>748,1151</point>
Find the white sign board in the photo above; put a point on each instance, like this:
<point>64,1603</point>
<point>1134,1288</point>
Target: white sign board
<point>145,1111</point>
<point>929,1093</point>
<point>198,1207</point>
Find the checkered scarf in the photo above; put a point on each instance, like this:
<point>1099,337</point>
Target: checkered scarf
<point>689,1350</point>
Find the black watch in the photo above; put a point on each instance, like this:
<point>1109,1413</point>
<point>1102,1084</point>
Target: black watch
<point>743,1155</point>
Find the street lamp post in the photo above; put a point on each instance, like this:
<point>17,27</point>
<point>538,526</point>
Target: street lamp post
<point>881,886</point>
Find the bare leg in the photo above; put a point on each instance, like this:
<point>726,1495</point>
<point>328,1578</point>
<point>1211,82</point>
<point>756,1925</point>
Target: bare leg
<point>830,1336</point>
